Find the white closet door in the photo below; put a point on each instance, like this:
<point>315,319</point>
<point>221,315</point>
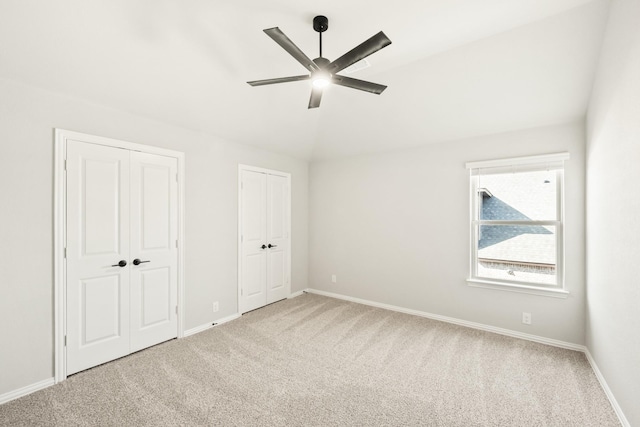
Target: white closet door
<point>154,266</point>
<point>277,238</point>
<point>97,240</point>
<point>253,241</point>
<point>122,259</point>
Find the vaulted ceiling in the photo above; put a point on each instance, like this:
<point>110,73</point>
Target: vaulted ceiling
<point>456,68</point>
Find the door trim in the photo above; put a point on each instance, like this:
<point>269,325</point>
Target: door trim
<point>59,233</point>
<point>242,168</point>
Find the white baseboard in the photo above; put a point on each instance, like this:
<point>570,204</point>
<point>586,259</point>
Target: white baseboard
<point>206,326</point>
<point>23,391</point>
<point>607,390</point>
<point>296,294</point>
<point>474,325</point>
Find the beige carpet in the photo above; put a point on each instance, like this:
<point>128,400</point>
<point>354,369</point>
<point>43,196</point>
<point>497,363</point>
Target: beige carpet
<point>317,361</point>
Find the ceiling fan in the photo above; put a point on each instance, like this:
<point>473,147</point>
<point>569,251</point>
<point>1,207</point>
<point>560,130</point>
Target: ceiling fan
<point>324,72</point>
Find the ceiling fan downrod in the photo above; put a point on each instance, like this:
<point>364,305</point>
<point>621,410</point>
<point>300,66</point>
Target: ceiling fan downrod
<point>320,24</point>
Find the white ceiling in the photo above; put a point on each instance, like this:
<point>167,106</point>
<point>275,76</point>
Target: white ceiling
<point>456,68</point>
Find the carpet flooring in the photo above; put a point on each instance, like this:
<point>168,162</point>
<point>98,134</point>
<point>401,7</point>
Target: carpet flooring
<point>318,361</point>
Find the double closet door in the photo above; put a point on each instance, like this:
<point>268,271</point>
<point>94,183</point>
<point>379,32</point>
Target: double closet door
<point>265,247</point>
<point>121,252</point>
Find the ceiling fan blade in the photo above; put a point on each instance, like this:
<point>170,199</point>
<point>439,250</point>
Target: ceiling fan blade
<point>279,37</point>
<point>279,80</point>
<point>361,51</point>
<point>358,84</point>
<point>316,97</point>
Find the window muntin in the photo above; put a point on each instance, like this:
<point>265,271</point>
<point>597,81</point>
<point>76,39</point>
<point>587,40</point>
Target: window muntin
<point>517,224</point>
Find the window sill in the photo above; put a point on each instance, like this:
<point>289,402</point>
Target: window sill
<point>524,289</point>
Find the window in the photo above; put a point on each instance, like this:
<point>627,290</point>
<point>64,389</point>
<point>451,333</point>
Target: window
<point>516,222</point>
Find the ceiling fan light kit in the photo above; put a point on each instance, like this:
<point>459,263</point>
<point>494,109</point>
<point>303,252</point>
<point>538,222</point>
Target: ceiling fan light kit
<point>322,71</point>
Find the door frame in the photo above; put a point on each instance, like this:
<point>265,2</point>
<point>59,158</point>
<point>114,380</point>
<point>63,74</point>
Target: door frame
<point>60,233</point>
<point>242,168</point>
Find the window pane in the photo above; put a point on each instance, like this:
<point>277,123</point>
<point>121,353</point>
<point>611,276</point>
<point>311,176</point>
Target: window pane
<point>525,253</point>
<point>518,196</point>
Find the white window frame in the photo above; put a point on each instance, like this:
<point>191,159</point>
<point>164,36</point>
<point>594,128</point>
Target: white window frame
<point>518,164</point>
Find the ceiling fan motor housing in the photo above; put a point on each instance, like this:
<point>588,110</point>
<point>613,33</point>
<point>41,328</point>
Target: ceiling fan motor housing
<point>321,62</point>
<point>320,23</point>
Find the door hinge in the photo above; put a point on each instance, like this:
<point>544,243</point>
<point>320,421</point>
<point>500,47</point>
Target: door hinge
<point>176,243</point>
<point>65,253</point>
<point>65,165</point>
<point>65,340</point>
<point>176,309</point>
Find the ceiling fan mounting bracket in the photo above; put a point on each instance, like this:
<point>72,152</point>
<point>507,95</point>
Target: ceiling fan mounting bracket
<point>321,23</point>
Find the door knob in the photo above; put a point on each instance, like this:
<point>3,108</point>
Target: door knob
<point>122,263</point>
<point>263,247</point>
<point>272,246</point>
<point>138,262</point>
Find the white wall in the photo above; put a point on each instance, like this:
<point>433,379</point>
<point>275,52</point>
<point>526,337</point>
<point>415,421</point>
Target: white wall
<point>613,210</point>
<point>394,228</point>
<point>27,119</point>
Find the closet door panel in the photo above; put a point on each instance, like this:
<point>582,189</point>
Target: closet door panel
<point>154,276</point>
<point>97,243</point>
<point>277,237</point>
<point>253,193</point>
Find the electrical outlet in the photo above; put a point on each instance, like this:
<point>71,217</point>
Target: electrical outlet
<point>526,318</point>
<point>333,278</point>
<point>216,307</point>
